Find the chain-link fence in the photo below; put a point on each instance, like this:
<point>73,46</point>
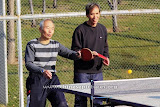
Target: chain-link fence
<point>134,45</point>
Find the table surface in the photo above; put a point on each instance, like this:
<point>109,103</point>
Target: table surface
<point>133,92</point>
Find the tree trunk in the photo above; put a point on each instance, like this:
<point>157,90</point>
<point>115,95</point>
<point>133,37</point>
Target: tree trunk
<point>54,3</point>
<point>113,6</point>
<point>10,32</point>
<point>32,12</point>
<point>114,17</point>
<point>44,6</point>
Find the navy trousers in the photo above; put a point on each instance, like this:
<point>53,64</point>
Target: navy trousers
<point>40,89</point>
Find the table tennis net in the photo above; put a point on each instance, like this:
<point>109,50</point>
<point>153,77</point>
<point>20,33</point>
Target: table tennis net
<point>128,86</point>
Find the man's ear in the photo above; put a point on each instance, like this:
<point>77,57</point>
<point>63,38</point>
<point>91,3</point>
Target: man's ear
<point>40,29</point>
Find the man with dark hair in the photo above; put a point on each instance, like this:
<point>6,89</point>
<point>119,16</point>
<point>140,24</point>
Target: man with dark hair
<point>40,60</point>
<point>92,35</point>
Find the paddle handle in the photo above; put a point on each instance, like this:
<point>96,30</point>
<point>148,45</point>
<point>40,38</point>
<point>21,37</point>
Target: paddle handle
<point>101,56</point>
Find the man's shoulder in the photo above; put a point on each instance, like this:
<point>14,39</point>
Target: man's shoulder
<point>99,24</point>
<point>53,41</point>
<point>81,25</point>
<point>33,41</point>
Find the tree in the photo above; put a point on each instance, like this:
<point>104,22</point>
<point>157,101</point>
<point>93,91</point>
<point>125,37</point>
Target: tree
<point>10,34</point>
<point>44,5</point>
<point>113,6</point>
<point>43,11</point>
<point>32,12</point>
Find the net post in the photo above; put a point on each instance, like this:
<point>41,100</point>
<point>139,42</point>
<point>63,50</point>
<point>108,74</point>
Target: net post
<point>92,92</point>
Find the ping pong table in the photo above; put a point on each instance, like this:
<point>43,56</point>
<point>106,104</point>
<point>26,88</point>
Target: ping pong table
<point>139,92</point>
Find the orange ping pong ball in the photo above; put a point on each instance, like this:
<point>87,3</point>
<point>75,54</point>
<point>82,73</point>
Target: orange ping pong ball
<point>129,71</point>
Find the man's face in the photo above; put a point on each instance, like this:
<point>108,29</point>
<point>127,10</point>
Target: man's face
<point>94,16</point>
<point>48,29</point>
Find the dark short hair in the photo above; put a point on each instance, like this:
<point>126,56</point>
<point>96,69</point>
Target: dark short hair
<point>90,6</point>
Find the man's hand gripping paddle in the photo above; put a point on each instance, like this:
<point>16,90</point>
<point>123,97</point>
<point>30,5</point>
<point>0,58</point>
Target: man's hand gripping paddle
<point>87,55</point>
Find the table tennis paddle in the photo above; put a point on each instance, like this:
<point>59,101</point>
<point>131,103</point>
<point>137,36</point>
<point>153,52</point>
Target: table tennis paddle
<point>87,54</point>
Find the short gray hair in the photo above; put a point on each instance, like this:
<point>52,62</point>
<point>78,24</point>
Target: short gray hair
<point>42,23</point>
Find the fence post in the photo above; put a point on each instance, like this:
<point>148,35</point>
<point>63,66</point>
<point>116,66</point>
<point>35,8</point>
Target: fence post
<point>20,59</point>
<point>3,58</point>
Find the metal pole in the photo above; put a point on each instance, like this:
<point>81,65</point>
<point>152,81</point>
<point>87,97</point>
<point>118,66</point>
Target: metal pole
<point>74,14</point>
<point>3,57</point>
<point>5,51</point>
<point>20,54</point>
<point>92,93</point>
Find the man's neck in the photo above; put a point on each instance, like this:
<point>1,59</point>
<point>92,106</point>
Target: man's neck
<point>43,41</point>
<point>91,24</point>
